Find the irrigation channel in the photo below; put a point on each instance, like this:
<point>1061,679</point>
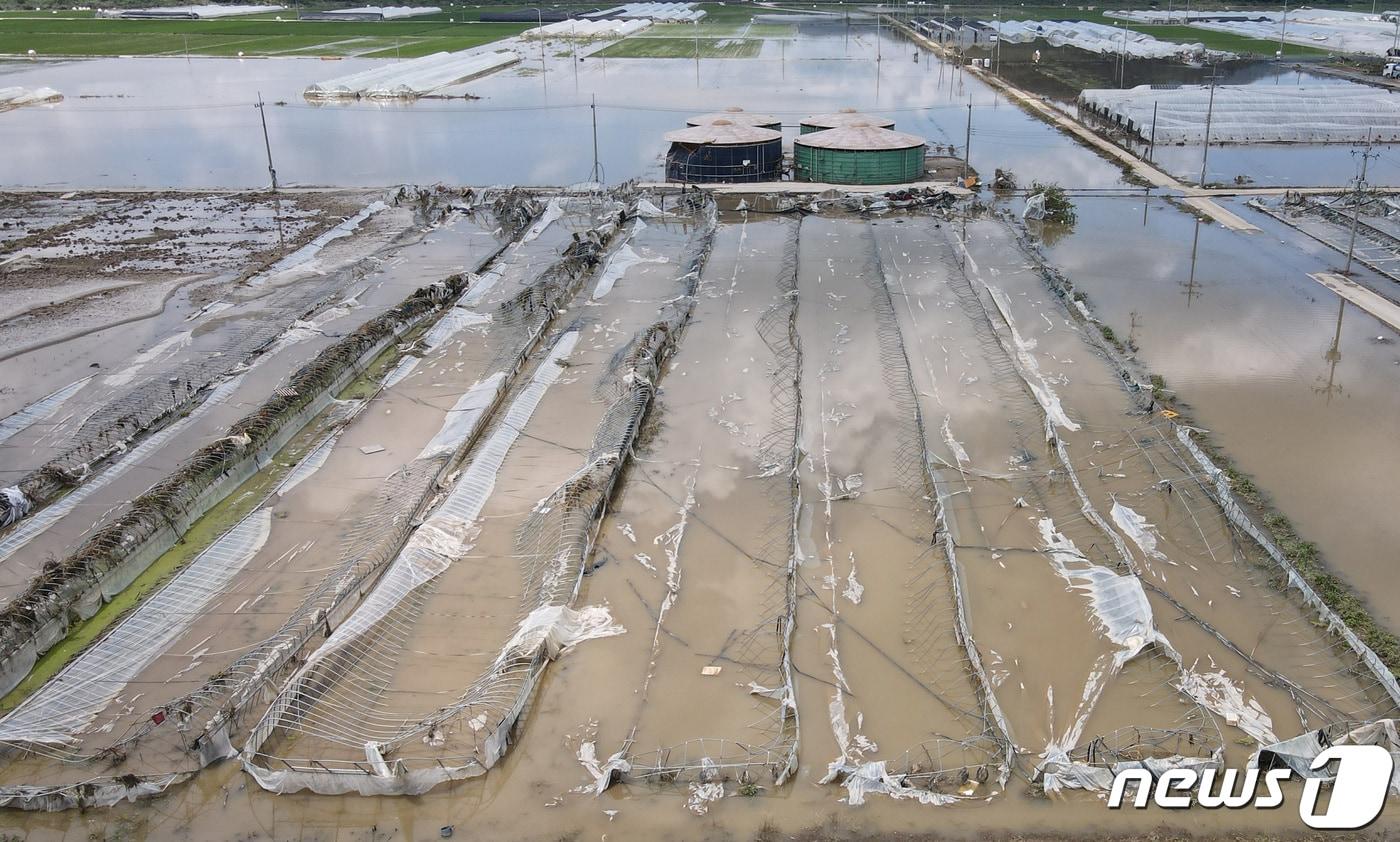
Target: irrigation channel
<point>656,499</point>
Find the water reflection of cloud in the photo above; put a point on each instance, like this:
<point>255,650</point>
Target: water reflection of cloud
<point>160,123</point>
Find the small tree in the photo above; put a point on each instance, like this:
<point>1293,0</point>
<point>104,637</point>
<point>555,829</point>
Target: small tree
<point>1058,207</point>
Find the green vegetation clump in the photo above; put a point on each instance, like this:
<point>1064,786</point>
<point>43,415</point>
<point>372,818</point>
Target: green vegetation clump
<point>1058,207</point>
<point>682,48</point>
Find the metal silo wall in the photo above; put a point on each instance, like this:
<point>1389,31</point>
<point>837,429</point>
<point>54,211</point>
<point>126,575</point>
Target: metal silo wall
<point>847,166</point>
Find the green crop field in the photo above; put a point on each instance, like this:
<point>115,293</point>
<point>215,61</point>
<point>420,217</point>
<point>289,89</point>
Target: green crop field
<point>682,48</point>
<point>72,35</point>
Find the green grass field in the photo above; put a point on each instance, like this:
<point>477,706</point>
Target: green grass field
<point>61,35</point>
<point>682,48</point>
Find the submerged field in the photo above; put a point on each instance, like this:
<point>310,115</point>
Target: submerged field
<point>633,435</point>
<point>626,511</point>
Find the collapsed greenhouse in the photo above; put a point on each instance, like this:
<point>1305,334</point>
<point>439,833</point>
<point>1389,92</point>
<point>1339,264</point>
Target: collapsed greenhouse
<point>644,435</point>
<point>413,78</point>
<point>1248,113</point>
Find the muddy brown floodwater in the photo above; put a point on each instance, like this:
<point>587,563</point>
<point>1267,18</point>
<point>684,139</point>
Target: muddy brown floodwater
<point>891,544</point>
<point>669,520</point>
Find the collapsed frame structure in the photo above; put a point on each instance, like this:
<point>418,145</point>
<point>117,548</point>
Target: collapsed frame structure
<point>556,540</point>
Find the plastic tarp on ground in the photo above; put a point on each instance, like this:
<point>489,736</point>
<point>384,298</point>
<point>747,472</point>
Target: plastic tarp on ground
<point>1325,29</point>
<point>414,78</point>
<point>1251,113</point>
<point>14,97</point>
<point>1299,752</point>
<point>1094,37</point>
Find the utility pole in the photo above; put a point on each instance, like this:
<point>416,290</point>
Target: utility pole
<point>1123,58</point>
<point>1210,108</point>
<point>267,144</point>
<point>997,15</point>
<point>1152,137</point>
<point>1356,201</point>
<point>1283,27</point>
<point>597,174</point>
<point>1193,289</point>
<point>967,146</point>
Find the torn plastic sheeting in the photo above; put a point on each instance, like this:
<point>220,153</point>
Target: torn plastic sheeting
<point>1137,527</point>
<point>65,706</point>
<point>303,329</point>
<point>14,97</point>
<point>95,793</point>
<point>309,465</point>
<point>1298,753</point>
<point>16,505</point>
<point>1060,772</point>
<point>464,416</point>
<point>553,211</point>
<point>399,781</point>
<point>559,628</point>
<point>16,423</point>
<point>447,529</point>
<point>647,210</point>
<point>625,258</point>
<point>603,774</point>
<point>1035,207</point>
<point>1119,602</point>
<point>1028,366</point>
<point>874,779</point>
<point>480,285</point>
<point>308,252</point>
<point>40,522</point>
<point>455,321</point>
<point>400,371</point>
<point>1218,693</point>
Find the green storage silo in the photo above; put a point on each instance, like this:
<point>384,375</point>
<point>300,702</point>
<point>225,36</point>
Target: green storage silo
<point>840,119</point>
<point>739,117</point>
<point>859,154</point>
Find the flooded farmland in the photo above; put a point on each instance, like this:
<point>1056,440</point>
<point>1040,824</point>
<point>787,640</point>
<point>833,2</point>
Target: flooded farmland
<point>551,501</point>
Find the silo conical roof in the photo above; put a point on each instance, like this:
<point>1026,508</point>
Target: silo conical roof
<point>723,133</point>
<point>846,117</point>
<point>735,115</point>
<point>860,136</point>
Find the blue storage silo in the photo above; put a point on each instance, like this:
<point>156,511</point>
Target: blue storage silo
<point>723,152</point>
